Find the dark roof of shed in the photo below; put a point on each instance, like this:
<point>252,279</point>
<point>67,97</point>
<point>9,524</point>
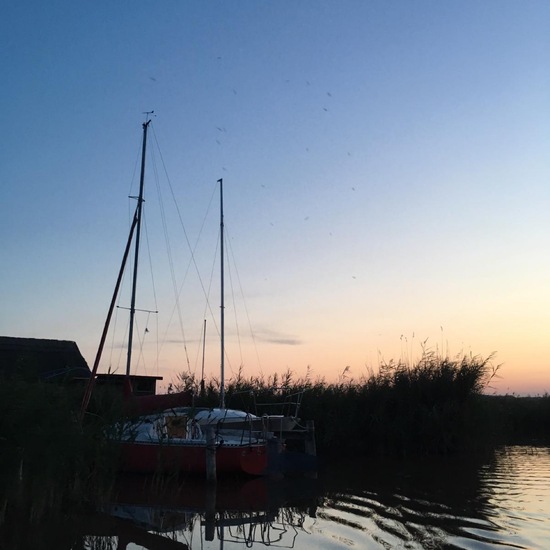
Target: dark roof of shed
<point>45,358</point>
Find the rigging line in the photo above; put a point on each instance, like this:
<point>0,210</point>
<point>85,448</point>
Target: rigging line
<point>230,271</point>
<point>140,339</point>
<point>207,304</point>
<point>133,181</point>
<point>170,262</point>
<point>140,357</point>
<point>169,250</point>
<point>226,355</point>
<point>157,359</point>
<point>121,346</point>
<point>131,216</point>
<point>114,328</point>
<point>201,348</point>
<point>113,332</point>
<point>192,260</point>
<point>152,274</point>
<point>245,305</point>
<point>191,249</point>
<point>146,331</point>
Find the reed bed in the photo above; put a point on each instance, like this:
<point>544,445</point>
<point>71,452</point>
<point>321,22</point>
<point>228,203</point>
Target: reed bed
<point>431,407</point>
<point>518,420</point>
<point>50,462</point>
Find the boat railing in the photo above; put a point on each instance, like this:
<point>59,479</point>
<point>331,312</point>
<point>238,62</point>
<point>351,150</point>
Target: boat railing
<point>278,401</point>
<point>289,405</point>
<point>250,428</point>
<point>276,414</point>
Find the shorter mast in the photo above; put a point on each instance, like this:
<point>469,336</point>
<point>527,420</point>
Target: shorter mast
<point>222,306</point>
<point>203,346</point>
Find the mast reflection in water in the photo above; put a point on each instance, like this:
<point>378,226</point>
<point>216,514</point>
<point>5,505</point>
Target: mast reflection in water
<point>160,514</point>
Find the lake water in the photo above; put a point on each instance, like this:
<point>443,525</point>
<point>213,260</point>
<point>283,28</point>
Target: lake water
<point>495,502</point>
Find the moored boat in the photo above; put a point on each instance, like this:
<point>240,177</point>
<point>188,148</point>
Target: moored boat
<point>173,441</point>
<point>165,433</point>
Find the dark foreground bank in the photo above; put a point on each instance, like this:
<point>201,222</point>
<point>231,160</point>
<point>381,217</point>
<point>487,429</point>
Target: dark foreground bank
<point>51,463</point>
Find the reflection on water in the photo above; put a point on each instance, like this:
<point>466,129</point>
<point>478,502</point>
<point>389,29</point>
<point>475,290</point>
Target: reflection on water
<point>407,504</point>
<point>149,513</point>
<point>500,501</point>
<point>515,496</point>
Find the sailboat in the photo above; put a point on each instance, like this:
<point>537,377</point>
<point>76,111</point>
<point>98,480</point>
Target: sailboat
<point>165,434</point>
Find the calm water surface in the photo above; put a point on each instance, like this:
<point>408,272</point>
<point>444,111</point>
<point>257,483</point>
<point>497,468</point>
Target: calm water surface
<point>500,501</point>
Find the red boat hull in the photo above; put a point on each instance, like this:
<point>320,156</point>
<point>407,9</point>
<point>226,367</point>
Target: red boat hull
<point>191,458</point>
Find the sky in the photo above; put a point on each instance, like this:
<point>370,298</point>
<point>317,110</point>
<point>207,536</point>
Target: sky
<point>386,182</point>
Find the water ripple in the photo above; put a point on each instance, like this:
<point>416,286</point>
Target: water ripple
<point>502,503</point>
<point>497,502</point>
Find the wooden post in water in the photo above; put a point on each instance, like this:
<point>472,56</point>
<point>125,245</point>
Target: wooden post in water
<point>210,515</point>
<point>210,454</point>
<point>310,446</point>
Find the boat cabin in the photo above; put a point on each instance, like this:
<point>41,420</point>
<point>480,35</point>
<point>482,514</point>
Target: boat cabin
<point>140,384</point>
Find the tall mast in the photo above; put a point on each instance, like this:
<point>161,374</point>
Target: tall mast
<point>222,306</point>
<point>136,253</point>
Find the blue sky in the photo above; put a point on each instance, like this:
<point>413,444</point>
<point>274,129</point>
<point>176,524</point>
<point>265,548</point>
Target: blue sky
<point>385,165</point>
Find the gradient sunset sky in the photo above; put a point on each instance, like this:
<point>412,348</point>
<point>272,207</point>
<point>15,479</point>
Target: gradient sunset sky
<point>386,169</point>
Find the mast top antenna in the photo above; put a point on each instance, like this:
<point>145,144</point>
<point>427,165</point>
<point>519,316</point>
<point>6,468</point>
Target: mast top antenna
<point>148,114</point>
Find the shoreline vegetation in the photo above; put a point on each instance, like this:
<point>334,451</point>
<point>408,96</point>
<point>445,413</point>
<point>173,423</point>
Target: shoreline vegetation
<point>437,406</point>
<point>53,464</point>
